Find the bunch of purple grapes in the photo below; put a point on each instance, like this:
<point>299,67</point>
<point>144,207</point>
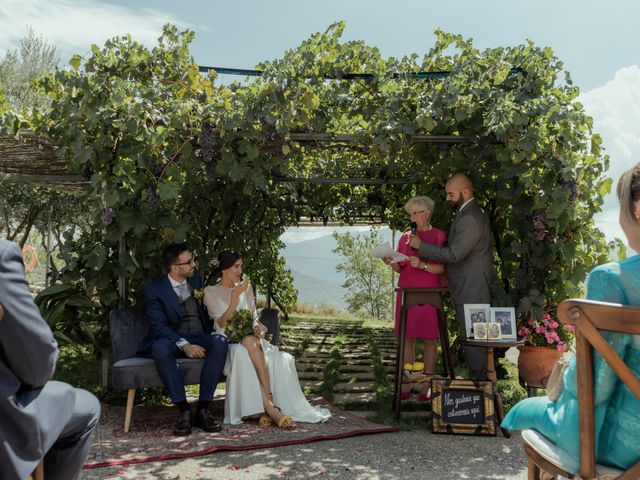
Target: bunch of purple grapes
<point>208,140</point>
<point>534,271</point>
<point>156,169</point>
<point>152,198</point>
<point>540,224</point>
<point>570,185</point>
<point>107,216</point>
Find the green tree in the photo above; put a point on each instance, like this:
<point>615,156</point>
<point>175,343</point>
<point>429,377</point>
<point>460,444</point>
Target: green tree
<point>21,67</point>
<point>368,281</point>
<point>25,207</point>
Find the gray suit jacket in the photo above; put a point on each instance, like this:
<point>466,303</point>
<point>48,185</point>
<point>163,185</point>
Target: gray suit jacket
<point>29,424</point>
<point>468,256</point>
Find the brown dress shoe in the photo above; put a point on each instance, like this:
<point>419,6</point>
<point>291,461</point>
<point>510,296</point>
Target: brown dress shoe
<point>206,422</point>
<point>183,427</point>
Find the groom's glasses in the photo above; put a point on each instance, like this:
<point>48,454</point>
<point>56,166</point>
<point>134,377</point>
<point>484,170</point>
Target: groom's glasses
<point>191,261</point>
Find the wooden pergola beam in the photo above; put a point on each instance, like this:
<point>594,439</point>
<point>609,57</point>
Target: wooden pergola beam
<point>348,138</point>
<point>31,158</point>
<point>347,181</point>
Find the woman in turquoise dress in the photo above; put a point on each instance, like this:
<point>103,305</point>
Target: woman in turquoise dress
<point>617,411</point>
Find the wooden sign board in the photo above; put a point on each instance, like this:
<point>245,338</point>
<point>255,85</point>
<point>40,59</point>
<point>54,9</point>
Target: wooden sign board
<point>463,406</point>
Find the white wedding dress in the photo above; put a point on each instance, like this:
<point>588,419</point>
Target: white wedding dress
<point>243,398</point>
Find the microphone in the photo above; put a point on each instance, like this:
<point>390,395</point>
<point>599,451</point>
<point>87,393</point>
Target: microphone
<point>414,229</point>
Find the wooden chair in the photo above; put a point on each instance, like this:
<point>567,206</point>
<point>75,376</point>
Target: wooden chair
<point>588,317</point>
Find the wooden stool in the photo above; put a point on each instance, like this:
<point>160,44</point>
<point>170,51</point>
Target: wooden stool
<point>410,297</point>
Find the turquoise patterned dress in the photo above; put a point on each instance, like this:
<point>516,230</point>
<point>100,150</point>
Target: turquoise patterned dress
<point>617,411</point>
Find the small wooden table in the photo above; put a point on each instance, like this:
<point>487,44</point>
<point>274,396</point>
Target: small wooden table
<point>491,369</point>
<point>410,297</point>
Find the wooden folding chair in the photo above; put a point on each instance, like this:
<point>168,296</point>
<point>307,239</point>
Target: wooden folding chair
<point>589,318</point>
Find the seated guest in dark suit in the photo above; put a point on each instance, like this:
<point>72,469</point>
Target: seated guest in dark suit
<point>181,328</point>
<point>39,418</point>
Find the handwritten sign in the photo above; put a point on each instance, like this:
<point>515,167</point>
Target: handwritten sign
<point>463,406</point>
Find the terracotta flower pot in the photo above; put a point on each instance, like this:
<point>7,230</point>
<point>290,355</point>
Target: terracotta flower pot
<point>536,363</point>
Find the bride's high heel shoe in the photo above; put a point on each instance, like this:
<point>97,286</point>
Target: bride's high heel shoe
<point>285,422</point>
<point>265,421</point>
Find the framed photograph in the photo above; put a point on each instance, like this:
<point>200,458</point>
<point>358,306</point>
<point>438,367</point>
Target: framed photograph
<point>480,330</point>
<point>475,313</point>
<point>463,407</point>
<point>506,318</point>
<point>493,331</point>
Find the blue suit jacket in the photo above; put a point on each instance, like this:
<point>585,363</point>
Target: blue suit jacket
<point>165,313</point>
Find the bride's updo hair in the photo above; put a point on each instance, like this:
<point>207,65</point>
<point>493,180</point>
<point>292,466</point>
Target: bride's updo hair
<point>226,259</point>
<point>629,193</point>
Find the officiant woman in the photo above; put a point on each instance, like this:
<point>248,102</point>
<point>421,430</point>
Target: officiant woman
<point>422,321</point>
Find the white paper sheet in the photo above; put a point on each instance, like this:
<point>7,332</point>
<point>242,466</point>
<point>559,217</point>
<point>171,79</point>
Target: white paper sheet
<point>385,250</point>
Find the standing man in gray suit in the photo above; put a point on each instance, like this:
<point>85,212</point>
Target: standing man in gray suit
<point>468,257</point>
<point>39,418</point>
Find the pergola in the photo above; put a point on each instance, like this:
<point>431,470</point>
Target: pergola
<point>29,158</point>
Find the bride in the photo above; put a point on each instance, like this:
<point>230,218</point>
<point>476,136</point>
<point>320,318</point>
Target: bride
<point>259,376</point>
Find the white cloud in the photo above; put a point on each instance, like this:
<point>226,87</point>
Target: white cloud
<point>615,108</point>
<point>73,25</point>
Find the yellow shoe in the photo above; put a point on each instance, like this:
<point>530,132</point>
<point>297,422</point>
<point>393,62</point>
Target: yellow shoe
<point>408,366</point>
<point>418,366</point>
<point>286,422</point>
<point>265,421</point>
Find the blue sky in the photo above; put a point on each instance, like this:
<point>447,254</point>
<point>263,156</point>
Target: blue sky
<point>595,40</point>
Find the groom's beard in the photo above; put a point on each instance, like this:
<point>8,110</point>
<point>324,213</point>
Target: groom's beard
<point>456,204</point>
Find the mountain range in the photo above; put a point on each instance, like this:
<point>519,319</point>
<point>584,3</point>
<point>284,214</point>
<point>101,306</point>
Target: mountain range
<point>313,266</point>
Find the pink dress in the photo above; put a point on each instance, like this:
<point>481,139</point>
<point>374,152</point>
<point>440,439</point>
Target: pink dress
<point>422,321</point>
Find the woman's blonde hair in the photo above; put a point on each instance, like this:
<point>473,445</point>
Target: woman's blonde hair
<point>629,192</point>
<point>424,202</point>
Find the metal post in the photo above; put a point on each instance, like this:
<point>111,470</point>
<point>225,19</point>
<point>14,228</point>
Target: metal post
<point>393,281</point>
<point>47,263</point>
<point>122,280</point>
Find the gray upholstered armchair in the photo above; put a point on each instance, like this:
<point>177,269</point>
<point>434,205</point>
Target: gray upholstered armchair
<point>128,327</point>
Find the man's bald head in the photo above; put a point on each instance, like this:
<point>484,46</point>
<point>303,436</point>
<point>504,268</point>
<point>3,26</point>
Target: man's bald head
<point>459,189</point>
<point>460,181</point>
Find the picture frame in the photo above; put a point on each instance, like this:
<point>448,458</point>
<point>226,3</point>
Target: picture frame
<point>493,331</point>
<point>474,313</point>
<point>463,407</point>
<point>506,318</point>
<point>480,331</point>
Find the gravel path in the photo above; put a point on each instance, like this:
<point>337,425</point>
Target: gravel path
<point>416,454</point>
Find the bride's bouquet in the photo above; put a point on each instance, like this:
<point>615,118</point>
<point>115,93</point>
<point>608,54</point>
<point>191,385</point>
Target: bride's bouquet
<point>239,325</point>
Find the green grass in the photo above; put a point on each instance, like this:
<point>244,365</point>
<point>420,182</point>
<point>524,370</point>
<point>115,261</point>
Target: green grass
<point>332,370</point>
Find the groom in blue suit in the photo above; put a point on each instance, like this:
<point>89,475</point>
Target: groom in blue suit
<point>180,327</point>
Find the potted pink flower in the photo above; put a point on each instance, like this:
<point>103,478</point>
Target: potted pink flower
<point>546,340</point>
